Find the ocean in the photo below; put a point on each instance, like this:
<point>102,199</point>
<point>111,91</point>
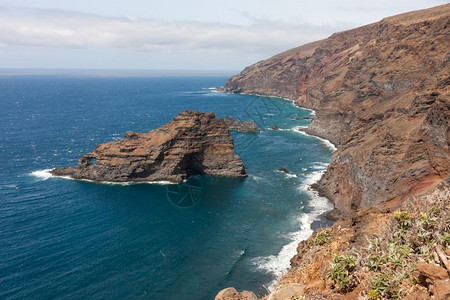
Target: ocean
<point>68,239</point>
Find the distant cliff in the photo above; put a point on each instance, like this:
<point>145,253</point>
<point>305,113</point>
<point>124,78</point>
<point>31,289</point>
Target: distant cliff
<point>381,93</point>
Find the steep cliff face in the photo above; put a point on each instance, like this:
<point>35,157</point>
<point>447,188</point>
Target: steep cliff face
<point>382,94</point>
<point>194,143</point>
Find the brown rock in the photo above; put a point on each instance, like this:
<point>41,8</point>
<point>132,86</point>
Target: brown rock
<point>417,295</point>
<point>274,127</point>
<point>194,143</point>
<point>382,94</point>
<point>430,271</point>
<point>286,291</point>
<point>441,289</point>
<point>231,294</point>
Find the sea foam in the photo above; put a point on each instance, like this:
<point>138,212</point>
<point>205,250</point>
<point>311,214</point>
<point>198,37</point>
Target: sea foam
<point>324,141</point>
<point>42,174</point>
<point>279,264</point>
<point>45,174</point>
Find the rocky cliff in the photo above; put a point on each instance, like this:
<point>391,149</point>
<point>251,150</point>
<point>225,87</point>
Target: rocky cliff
<point>382,95</point>
<point>194,143</point>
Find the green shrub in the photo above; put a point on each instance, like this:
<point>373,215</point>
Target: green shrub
<point>322,237</point>
<point>445,238</point>
<point>340,270</point>
<point>372,295</point>
<point>428,219</point>
<point>380,284</point>
<point>403,218</point>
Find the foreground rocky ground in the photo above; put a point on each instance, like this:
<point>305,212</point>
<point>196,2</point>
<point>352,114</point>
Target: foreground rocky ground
<point>194,143</point>
<point>382,95</point>
<point>373,254</point>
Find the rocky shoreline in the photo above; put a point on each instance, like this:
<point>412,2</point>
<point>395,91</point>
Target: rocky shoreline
<point>381,93</point>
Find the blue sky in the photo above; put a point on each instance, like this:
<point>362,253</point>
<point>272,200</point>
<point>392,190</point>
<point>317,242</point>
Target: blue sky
<point>173,34</point>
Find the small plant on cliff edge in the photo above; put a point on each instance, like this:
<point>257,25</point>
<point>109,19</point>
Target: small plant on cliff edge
<point>322,237</point>
<point>403,218</point>
<point>429,218</point>
<point>379,284</point>
<point>445,238</point>
<point>340,270</point>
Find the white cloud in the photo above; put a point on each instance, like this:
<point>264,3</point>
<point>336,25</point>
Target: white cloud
<point>60,29</point>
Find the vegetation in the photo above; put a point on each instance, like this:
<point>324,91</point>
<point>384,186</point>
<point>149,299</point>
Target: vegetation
<point>388,263</point>
<point>340,270</point>
<point>322,237</point>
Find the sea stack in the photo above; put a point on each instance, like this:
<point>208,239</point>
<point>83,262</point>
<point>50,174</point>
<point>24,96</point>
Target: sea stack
<point>194,143</point>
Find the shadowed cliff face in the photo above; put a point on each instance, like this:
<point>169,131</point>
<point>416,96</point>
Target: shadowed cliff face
<point>382,94</point>
<point>194,143</point>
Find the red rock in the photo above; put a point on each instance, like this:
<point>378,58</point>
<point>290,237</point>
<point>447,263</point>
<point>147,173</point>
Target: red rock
<point>232,294</point>
<point>430,271</point>
<point>382,94</point>
<point>418,295</point>
<point>441,289</point>
<point>194,143</point>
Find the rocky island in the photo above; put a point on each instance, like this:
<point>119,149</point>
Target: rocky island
<point>381,93</point>
<point>194,143</point>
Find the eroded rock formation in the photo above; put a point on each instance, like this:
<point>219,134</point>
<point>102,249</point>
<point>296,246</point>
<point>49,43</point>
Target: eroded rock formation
<point>194,143</point>
<point>382,95</point>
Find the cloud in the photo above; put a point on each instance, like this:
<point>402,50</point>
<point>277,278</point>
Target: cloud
<point>44,28</point>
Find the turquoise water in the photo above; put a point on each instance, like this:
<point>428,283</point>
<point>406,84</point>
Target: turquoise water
<point>69,239</point>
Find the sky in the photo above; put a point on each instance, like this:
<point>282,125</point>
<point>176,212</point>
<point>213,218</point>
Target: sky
<point>173,34</point>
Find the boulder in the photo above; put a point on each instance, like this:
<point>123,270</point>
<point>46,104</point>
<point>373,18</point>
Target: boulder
<point>232,294</point>
<point>287,291</point>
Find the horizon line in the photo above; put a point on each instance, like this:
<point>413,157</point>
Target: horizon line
<point>113,72</point>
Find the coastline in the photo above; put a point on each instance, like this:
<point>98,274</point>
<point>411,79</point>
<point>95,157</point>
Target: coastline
<point>313,221</point>
<point>278,263</point>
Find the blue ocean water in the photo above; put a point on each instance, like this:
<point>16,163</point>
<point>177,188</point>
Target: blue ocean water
<point>69,239</point>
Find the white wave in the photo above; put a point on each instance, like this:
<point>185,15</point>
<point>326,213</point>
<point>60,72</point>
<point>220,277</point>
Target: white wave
<point>279,129</point>
<point>296,128</point>
<point>42,174</point>
<point>211,89</point>
<point>319,166</point>
<point>269,114</point>
<point>287,174</point>
<point>279,264</point>
<point>256,178</point>
<point>11,186</point>
<point>326,142</point>
<point>312,112</point>
<point>45,174</point>
<point>290,175</point>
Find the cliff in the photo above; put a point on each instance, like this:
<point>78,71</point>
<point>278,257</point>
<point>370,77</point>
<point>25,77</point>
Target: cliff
<point>381,93</point>
<point>194,143</point>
